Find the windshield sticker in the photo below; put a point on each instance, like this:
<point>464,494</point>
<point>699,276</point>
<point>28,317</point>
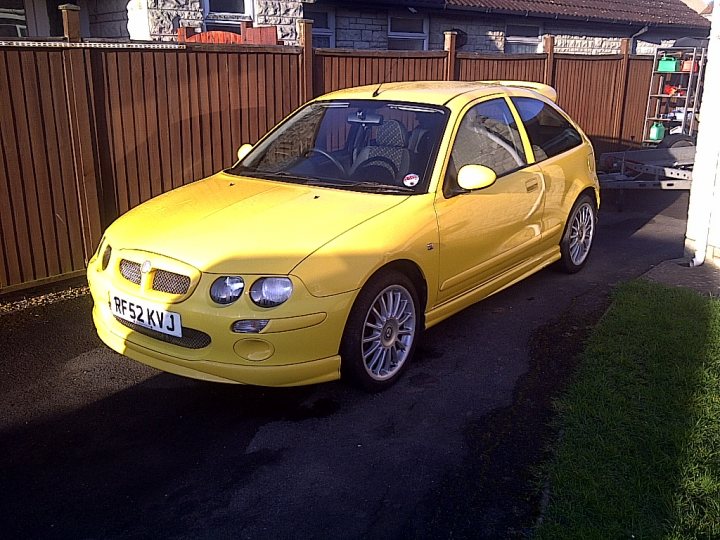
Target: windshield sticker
<point>411,180</point>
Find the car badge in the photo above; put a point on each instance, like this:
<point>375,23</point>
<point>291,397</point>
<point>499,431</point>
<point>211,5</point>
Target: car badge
<point>146,267</point>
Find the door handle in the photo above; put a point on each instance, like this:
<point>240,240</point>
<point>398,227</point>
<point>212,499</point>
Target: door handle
<point>531,186</point>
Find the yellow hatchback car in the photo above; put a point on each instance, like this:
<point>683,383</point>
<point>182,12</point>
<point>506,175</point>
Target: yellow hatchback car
<point>365,217</point>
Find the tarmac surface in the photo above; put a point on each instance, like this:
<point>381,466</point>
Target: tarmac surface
<point>94,445</point>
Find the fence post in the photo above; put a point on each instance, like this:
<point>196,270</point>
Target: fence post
<point>621,91</point>
<point>549,50</point>
<point>451,58</point>
<point>71,22</point>
<point>304,28</point>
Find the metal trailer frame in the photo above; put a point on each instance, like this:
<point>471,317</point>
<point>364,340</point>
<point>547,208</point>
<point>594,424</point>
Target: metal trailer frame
<point>652,168</point>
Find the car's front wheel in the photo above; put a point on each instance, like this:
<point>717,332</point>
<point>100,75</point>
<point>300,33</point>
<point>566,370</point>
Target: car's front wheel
<point>579,234</point>
<point>381,331</point>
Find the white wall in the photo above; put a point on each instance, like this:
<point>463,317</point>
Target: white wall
<point>702,239</point>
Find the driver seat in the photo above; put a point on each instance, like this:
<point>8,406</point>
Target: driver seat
<point>390,144</point>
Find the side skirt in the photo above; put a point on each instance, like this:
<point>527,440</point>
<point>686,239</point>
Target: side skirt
<point>502,281</point>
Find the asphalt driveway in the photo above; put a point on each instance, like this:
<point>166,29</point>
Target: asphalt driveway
<point>95,445</point>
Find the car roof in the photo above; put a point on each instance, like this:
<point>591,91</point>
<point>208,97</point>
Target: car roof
<point>451,93</point>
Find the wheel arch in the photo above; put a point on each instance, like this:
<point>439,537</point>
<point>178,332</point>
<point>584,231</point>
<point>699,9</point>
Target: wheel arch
<point>414,273</point>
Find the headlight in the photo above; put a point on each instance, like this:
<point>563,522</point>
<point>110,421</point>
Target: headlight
<point>226,289</point>
<point>271,291</point>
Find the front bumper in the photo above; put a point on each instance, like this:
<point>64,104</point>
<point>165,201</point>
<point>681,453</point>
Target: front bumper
<point>299,346</point>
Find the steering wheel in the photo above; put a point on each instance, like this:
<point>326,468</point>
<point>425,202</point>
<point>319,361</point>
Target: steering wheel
<point>327,156</point>
<point>377,160</point>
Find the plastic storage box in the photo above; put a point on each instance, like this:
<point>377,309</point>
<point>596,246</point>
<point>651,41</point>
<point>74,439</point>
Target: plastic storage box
<point>668,63</point>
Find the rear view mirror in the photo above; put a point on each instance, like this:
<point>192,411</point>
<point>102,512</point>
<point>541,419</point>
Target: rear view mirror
<point>243,151</point>
<point>362,117</point>
<point>473,177</point>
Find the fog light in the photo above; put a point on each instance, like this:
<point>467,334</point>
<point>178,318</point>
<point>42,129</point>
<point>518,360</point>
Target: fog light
<point>249,326</point>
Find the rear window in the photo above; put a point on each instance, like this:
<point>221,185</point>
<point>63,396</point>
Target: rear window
<point>549,132</point>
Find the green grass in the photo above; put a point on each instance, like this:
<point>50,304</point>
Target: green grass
<point>639,449</point>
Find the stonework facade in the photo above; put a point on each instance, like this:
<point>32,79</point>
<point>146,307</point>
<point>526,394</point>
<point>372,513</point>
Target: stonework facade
<point>361,30</point>
<point>281,13</point>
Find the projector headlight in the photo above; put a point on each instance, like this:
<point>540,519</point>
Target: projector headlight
<point>271,291</point>
<point>226,289</point>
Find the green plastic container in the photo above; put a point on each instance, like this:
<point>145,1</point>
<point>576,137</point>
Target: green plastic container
<point>668,63</point>
<point>657,131</point>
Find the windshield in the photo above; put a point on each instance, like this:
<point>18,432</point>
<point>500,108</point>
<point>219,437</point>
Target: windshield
<point>363,145</point>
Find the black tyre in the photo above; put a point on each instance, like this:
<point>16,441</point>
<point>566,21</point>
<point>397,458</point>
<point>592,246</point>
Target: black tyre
<point>381,332</point>
<point>579,234</point>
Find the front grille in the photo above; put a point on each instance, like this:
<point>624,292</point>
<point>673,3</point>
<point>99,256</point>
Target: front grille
<point>130,270</point>
<point>163,280</point>
<point>170,282</point>
<point>191,338</point>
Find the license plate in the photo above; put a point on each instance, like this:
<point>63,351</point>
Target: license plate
<point>146,314</point>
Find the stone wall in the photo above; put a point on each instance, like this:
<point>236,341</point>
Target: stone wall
<point>281,13</point>
<point>361,29</point>
<point>166,16</point>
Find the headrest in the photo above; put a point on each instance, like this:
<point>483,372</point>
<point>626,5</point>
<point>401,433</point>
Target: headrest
<point>391,133</point>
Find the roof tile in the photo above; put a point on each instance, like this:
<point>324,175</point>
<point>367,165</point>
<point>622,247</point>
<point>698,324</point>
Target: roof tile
<point>651,12</point>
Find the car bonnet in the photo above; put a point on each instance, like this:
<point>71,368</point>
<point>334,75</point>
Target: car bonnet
<point>230,224</point>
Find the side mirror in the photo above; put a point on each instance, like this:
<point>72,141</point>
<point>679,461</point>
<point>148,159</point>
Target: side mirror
<point>471,177</point>
<point>243,151</point>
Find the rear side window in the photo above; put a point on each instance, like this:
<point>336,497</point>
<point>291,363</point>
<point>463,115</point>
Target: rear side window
<point>549,132</point>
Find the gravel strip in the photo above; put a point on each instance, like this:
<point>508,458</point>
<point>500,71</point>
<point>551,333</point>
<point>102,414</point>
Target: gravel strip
<point>42,300</point>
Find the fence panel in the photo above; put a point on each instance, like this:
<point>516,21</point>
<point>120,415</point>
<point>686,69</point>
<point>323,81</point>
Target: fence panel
<point>487,67</point>
<point>633,114</point>
<point>338,68</point>
<point>89,131</point>
<point>588,89</point>
<point>41,230</point>
<point>176,115</point>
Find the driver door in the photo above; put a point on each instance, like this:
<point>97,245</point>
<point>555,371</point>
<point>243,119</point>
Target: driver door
<point>485,233</point>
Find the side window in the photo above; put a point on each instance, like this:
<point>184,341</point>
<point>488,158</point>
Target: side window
<point>487,136</point>
<point>549,132</point>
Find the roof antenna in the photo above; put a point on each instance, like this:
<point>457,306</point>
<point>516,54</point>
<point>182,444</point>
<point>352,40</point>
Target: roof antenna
<point>377,90</point>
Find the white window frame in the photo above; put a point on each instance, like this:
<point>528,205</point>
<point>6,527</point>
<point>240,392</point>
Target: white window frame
<point>526,39</point>
<point>248,15</point>
<point>410,35</point>
<point>328,32</point>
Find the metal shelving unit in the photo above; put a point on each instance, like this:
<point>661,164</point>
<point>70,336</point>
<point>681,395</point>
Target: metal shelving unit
<point>684,101</point>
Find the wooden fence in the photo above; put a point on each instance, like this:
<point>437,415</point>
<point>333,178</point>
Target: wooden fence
<point>88,131</point>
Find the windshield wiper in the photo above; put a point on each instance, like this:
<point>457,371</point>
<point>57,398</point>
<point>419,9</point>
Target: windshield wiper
<point>280,175</point>
<point>384,187</point>
<point>375,186</point>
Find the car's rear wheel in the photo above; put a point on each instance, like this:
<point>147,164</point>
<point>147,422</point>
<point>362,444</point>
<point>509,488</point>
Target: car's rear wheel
<point>579,234</point>
<point>381,331</point>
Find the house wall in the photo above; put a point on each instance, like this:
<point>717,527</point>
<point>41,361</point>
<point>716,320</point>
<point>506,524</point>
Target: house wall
<point>106,18</point>
<point>363,28</point>
<point>483,34</point>
<point>281,13</point>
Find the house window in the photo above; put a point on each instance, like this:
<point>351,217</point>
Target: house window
<point>407,32</point>
<point>522,39</point>
<point>12,20</point>
<point>323,30</point>
<point>225,14</point>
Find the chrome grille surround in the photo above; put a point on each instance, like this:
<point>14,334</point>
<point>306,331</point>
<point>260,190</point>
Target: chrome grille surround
<point>130,270</point>
<point>191,338</point>
<point>170,282</point>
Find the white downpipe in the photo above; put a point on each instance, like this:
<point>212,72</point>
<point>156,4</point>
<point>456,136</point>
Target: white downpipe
<point>706,173</point>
